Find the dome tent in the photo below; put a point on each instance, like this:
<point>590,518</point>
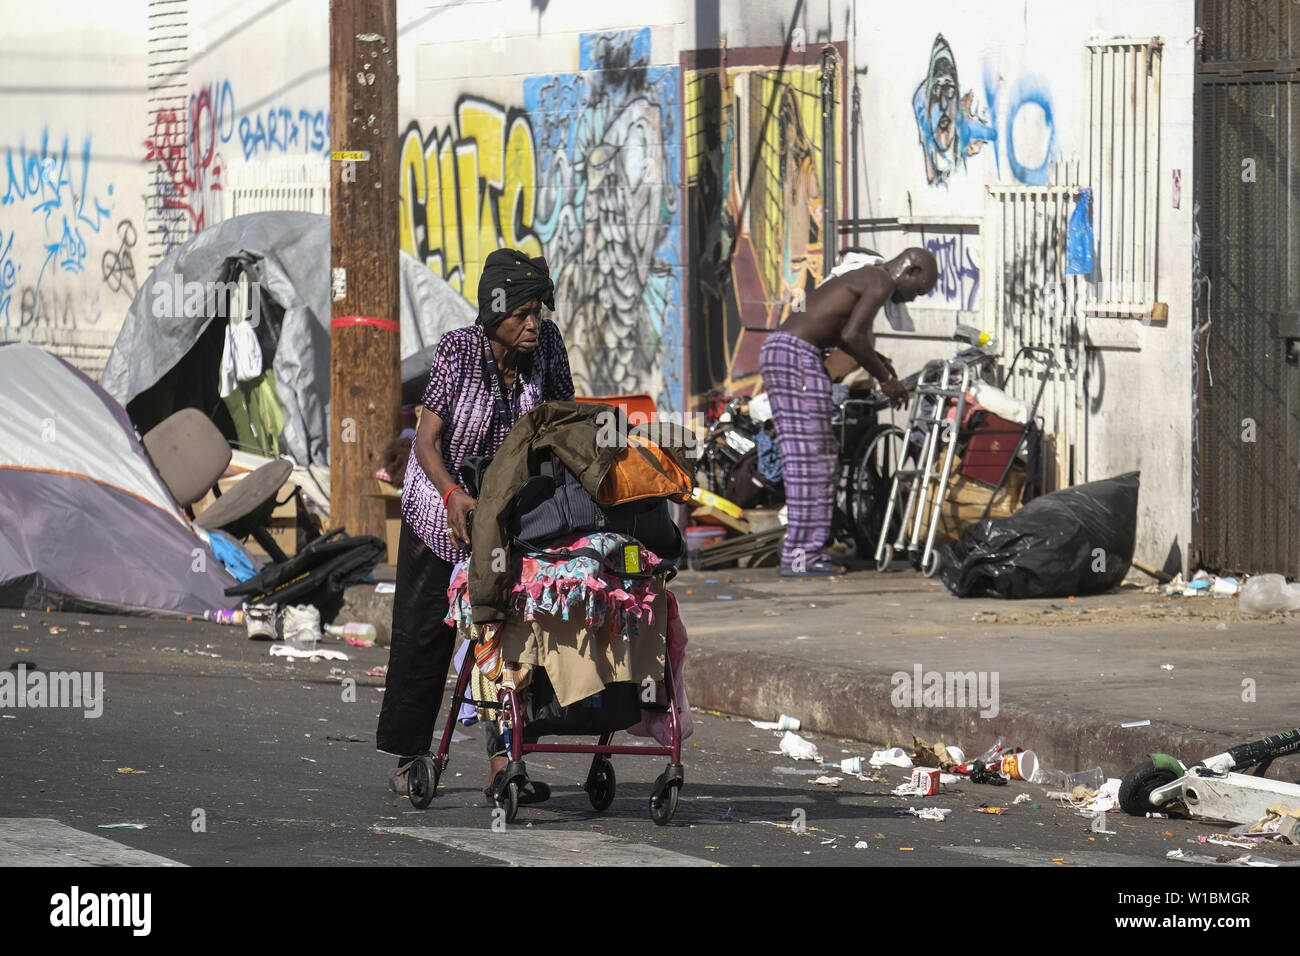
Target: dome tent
<point>86,522</point>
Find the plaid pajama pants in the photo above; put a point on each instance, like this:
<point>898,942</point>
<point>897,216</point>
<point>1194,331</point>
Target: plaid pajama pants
<point>794,375</point>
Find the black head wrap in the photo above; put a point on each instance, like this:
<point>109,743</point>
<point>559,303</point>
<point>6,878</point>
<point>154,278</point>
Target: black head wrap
<point>509,280</point>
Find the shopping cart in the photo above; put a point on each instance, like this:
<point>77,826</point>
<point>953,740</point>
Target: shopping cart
<point>938,408</point>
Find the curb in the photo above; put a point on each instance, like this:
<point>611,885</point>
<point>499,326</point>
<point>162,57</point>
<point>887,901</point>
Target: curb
<point>857,706</point>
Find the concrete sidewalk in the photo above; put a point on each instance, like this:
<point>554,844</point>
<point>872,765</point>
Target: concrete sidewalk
<point>1068,672</point>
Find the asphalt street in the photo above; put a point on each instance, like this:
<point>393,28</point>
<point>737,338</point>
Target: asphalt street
<point>227,756</point>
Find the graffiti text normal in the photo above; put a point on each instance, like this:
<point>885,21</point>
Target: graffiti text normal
<point>468,191</point>
<point>959,276</point>
<point>53,187</point>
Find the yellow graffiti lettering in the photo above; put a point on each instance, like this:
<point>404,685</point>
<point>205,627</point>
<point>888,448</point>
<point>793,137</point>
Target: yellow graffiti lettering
<point>414,189</point>
<point>468,190</point>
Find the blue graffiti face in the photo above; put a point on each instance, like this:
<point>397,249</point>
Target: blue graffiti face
<point>951,128</point>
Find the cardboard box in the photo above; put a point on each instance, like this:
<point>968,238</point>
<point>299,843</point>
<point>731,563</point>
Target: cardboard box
<point>965,500</point>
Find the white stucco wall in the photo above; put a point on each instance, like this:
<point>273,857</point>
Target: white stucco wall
<point>257,78</point>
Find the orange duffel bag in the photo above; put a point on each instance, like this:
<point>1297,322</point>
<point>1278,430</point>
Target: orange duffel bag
<point>643,470</point>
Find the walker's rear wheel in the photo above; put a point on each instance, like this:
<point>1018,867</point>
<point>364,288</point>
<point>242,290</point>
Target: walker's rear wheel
<point>602,791</point>
<point>422,781</point>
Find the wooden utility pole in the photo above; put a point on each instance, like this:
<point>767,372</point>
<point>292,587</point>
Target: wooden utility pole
<point>365,345</point>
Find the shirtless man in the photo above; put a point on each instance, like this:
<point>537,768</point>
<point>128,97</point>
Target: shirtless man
<point>838,313</point>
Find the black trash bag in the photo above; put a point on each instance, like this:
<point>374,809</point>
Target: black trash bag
<point>615,708</point>
<point>1049,548</point>
<point>316,575</point>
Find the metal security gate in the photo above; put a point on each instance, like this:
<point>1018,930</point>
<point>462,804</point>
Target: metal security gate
<point>1246,469</point>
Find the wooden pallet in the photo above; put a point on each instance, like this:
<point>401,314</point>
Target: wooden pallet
<point>733,550</point>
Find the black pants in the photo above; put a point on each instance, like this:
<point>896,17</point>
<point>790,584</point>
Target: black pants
<point>420,653</point>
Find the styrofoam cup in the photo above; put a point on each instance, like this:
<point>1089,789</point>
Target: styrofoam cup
<point>788,723</point>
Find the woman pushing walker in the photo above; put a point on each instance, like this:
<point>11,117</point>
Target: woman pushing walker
<point>483,379</point>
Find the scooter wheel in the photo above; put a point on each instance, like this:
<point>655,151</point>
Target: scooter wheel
<point>886,558</point>
<point>1135,789</point>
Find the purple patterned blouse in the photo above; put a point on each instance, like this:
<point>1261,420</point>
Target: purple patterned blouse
<point>459,394</point>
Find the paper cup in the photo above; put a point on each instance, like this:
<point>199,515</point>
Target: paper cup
<point>851,765</point>
<point>788,723</point>
<point>1020,766</point>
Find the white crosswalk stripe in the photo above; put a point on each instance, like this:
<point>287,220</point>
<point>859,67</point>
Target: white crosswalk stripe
<point>531,846</point>
<point>37,841</point>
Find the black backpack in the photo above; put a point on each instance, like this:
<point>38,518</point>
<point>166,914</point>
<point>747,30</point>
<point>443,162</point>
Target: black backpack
<point>553,504</point>
<point>315,575</point>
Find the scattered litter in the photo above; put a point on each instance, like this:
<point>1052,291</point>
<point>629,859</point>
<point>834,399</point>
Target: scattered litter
<point>785,722</point>
<point>308,759</point>
<point>129,770</point>
<point>320,653</point>
<point>908,789</point>
<point>381,671</point>
<point>124,826</point>
<point>894,757</point>
<point>1174,855</point>
<point>1166,667</point>
<point>949,779</point>
<point>860,845</point>
<point>1137,723</point>
<point>768,612</point>
<point>936,755</point>
<point>1222,839</point>
<point>795,746</point>
<point>724,597</point>
<point>358,642</point>
<point>990,809</point>
<point>386,587</point>
<point>458,737</point>
<point>1221,627</point>
<point>828,781</point>
<point>928,813</point>
<point>797,770</point>
<point>22,650</point>
<point>1023,798</point>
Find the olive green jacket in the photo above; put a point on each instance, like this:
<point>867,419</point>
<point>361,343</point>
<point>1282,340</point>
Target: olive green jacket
<point>586,437</point>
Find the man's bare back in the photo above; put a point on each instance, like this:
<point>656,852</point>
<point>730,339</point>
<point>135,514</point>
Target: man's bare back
<point>841,312</point>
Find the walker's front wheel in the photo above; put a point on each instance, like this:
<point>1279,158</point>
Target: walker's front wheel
<point>509,801</point>
<point>422,781</point>
<point>601,793</point>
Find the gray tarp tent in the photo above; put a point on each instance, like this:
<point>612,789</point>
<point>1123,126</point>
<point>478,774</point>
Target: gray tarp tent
<point>86,523</point>
<point>287,256</point>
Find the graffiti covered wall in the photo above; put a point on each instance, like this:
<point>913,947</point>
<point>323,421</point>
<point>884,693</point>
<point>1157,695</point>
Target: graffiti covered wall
<point>585,170</point>
<point>754,190</point>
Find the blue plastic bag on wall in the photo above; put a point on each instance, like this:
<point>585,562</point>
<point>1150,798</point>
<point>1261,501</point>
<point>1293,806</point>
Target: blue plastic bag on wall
<point>1078,237</point>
